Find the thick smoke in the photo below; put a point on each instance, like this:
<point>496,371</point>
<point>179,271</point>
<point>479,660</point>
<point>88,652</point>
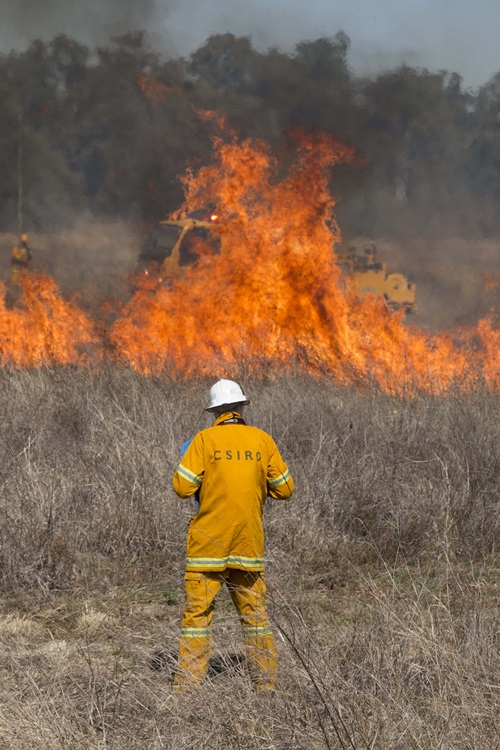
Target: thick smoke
<point>435,34</point>
<point>92,22</point>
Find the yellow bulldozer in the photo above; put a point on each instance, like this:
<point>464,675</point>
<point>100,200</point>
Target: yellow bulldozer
<point>369,276</point>
<point>171,248</point>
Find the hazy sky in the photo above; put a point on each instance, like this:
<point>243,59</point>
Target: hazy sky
<point>457,35</point>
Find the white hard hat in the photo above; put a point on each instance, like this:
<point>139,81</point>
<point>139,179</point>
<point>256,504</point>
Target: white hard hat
<point>225,393</point>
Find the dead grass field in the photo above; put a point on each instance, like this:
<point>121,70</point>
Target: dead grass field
<point>383,570</point>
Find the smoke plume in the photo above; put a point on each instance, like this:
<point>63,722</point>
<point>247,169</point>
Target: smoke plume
<point>91,22</point>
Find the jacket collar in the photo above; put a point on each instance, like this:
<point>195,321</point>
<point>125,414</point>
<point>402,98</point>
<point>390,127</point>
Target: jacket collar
<point>229,415</point>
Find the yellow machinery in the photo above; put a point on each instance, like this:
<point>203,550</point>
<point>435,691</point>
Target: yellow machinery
<point>172,247</point>
<point>369,276</point>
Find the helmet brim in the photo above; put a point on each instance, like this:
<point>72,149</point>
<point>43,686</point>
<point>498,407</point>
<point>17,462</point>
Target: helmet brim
<point>233,406</point>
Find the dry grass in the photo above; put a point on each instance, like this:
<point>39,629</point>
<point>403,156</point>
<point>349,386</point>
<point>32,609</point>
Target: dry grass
<point>383,571</point>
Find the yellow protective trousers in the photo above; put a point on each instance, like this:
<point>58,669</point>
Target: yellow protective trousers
<point>248,593</point>
<point>18,272</point>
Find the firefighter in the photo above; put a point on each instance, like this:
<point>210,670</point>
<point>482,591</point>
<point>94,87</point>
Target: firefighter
<point>233,467</point>
<point>20,260</point>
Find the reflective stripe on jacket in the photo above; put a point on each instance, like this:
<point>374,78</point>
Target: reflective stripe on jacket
<point>235,467</point>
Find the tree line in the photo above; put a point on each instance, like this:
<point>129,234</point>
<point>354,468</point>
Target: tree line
<point>109,131</point>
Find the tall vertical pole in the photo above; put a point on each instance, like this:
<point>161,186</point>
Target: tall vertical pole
<point>20,177</point>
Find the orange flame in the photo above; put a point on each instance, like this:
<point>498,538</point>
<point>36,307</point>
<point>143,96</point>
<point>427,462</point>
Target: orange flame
<point>273,299</point>
<point>45,329</point>
<point>273,296</point>
<point>491,280</point>
<point>156,91</point>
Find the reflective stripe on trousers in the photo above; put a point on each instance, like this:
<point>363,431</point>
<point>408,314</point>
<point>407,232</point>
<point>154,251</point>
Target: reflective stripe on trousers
<point>248,593</point>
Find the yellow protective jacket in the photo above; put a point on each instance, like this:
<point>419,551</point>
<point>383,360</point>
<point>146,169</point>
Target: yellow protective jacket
<point>21,255</point>
<point>235,467</point>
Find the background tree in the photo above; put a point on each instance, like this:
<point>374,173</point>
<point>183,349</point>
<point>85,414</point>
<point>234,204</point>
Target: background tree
<point>110,130</point>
